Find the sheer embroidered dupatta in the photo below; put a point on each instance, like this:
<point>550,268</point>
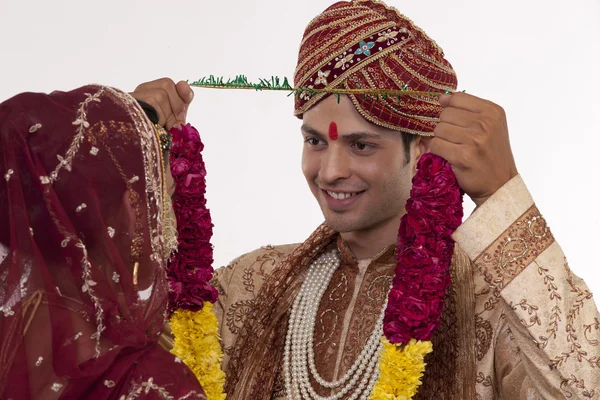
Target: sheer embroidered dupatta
<point>83,289</point>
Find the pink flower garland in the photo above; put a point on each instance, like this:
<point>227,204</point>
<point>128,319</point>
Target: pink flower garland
<point>190,270</point>
<point>425,249</point>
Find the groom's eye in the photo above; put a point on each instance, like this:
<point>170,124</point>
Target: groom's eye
<point>313,141</point>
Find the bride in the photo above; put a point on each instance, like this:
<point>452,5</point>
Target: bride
<point>83,291</point>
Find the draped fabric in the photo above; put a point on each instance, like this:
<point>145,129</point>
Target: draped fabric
<point>83,289</point>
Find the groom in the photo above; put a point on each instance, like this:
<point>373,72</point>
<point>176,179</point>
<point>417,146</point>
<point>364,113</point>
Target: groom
<point>517,323</point>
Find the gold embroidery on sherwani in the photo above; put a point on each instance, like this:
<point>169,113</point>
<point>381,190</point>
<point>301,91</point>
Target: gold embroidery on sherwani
<point>516,248</point>
<point>253,276</point>
<point>502,261</point>
<point>532,313</point>
<point>255,352</point>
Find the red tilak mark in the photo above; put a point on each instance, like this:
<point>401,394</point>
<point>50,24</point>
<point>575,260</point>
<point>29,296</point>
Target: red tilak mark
<point>333,131</point>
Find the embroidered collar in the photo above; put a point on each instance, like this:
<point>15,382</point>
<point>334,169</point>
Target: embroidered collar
<point>386,256</point>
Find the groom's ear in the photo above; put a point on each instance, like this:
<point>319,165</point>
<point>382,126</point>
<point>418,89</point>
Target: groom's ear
<point>420,146</point>
<point>423,144</point>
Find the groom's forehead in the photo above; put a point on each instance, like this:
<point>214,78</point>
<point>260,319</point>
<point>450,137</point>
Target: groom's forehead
<point>345,118</point>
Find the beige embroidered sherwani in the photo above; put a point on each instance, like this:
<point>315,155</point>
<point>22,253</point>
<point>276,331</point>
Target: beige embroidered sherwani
<point>519,326</point>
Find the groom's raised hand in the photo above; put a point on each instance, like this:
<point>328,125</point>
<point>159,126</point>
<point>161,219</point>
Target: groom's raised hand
<point>170,100</point>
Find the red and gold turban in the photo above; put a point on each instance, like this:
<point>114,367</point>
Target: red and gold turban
<point>364,44</point>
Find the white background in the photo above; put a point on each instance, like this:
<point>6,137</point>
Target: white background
<point>539,59</point>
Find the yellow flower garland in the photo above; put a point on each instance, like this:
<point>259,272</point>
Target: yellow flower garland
<point>197,344</point>
<point>400,370</point>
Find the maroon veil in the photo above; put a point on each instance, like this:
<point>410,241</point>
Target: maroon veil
<point>83,289</point>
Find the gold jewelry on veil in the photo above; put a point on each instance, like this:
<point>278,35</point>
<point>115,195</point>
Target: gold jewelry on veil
<point>169,226</point>
<point>136,267</point>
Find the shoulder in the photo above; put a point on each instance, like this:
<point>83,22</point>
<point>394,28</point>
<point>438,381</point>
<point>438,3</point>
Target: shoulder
<point>239,284</point>
<point>252,268</point>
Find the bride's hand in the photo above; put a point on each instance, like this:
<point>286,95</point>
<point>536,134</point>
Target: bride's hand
<point>170,100</point>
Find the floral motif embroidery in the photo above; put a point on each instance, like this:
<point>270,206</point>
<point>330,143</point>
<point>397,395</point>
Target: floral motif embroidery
<point>484,336</point>
<point>575,351</point>
<point>588,329</point>
<point>237,315</point>
<point>388,36</point>
<point>485,380</point>
<point>82,124</point>
<point>306,95</point>
<point>554,320</point>
<point>531,310</point>
<point>64,162</point>
<point>573,381</point>
<point>322,77</point>
<point>8,174</point>
<point>87,287</point>
<point>515,249</point>
<point>343,60</point>
<point>35,128</point>
<point>7,311</point>
<point>555,316</point>
<point>138,389</point>
<point>56,387</point>
<point>365,48</point>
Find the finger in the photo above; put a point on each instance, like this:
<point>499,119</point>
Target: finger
<point>458,117</point>
<point>449,151</point>
<point>161,97</point>
<point>445,100</point>
<point>177,104</point>
<point>452,133</point>
<point>185,91</point>
<point>464,102</point>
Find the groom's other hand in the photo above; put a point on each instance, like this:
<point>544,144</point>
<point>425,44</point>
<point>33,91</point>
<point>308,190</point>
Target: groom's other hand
<point>170,100</point>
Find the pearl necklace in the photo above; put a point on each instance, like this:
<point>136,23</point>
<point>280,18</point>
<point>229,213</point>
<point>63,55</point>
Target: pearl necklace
<point>299,356</point>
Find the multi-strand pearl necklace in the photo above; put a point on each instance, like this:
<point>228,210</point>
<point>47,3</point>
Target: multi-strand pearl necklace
<point>299,357</point>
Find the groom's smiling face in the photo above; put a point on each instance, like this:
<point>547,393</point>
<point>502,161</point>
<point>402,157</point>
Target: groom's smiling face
<point>356,170</point>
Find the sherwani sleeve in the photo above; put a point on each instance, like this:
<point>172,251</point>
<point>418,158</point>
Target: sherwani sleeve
<point>220,281</point>
<point>547,337</point>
